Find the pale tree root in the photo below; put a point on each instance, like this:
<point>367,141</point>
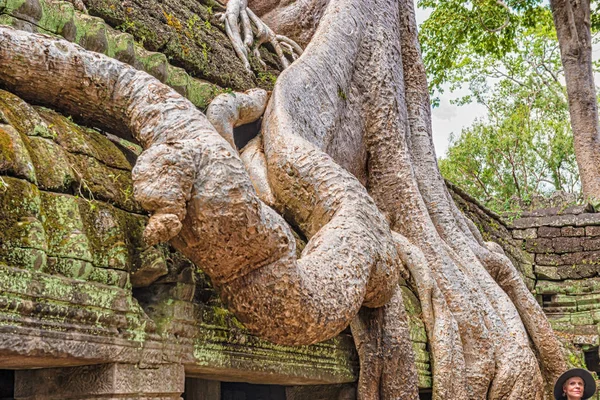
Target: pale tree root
<point>517,308</point>
<point>255,162</point>
<point>442,330</point>
<point>239,20</point>
<point>381,335</point>
<point>366,89</point>
<point>387,363</point>
<point>230,110</point>
<point>189,173</point>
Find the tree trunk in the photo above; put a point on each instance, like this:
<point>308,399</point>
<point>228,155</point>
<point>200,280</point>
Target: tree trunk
<point>349,160</point>
<point>572,22</point>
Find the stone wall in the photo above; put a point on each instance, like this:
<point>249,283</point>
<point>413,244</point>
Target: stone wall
<point>557,250</point>
<point>565,245</point>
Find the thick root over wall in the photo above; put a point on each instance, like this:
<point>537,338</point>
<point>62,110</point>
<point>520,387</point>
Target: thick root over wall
<point>349,161</point>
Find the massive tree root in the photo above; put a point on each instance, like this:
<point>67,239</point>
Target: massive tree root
<point>385,111</point>
<point>201,197</point>
<point>351,112</point>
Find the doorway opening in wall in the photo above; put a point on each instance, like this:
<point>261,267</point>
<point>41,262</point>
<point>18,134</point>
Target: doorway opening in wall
<point>547,299</point>
<point>246,391</point>
<point>592,359</point>
<point>425,394</point>
<point>7,384</point>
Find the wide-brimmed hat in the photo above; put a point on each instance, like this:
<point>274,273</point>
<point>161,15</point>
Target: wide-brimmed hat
<point>589,383</point>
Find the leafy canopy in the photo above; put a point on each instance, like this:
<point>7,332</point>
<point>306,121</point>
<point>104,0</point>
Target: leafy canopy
<point>524,146</point>
<point>458,33</point>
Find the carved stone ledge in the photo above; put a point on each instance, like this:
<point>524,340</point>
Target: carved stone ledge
<point>108,381</point>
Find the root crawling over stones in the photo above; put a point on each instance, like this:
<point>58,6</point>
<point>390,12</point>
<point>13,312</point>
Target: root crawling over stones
<point>347,157</point>
<point>192,180</point>
<point>239,21</point>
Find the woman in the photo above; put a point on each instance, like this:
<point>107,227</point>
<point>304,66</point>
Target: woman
<point>575,384</point>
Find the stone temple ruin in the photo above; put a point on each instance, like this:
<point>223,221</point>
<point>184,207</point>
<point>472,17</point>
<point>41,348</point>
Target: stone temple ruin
<point>88,311</point>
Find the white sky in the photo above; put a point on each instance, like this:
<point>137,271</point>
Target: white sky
<point>449,118</point>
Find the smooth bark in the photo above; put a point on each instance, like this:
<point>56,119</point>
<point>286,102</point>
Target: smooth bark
<point>572,23</point>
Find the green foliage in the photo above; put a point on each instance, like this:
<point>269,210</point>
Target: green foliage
<point>524,146</point>
<point>458,34</point>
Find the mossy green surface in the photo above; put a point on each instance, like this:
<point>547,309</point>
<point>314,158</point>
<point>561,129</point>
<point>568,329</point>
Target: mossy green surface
<point>64,227</point>
<point>14,157</point>
<point>22,236</point>
<point>220,338</point>
<point>106,236</point>
<point>76,139</point>
<point>92,33</point>
<point>99,181</point>
<point>23,117</point>
<point>52,167</point>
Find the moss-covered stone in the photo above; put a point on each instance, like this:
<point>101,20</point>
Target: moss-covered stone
<point>187,33</point>
<point>413,309</point>
<point>102,182</point>
<point>152,266</point>
<point>86,271</point>
<point>14,157</point>
<point>107,239</point>
<point>64,227</point>
<point>26,258</point>
<point>22,237</point>
<point>92,34</point>
<point>23,117</point>
<point>76,139</point>
<point>52,167</point>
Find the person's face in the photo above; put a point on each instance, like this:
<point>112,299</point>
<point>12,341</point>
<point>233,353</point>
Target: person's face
<point>573,387</point>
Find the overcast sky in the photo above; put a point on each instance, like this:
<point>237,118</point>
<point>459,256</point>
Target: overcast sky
<point>449,118</point>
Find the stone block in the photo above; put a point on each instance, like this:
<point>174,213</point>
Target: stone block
<point>580,271</point>
<point>530,233</point>
<point>595,315</point>
<point>573,287</point>
<point>101,381</point>
<point>567,244</point>
<point>52,167</point>
<point>592,230</point>
<point>546,272</point>
<point>572,231</point>
<point>583,257</point>
<point>561,300</point>
<point>557,221</point>
<point>22,116</point>
<point>86,271</point>
<point>563,272</point>
<point>14,157</point>
<point>582,318</point>
<point>106,235</point>
<point>76,139</point>
<point>103,182</point>
<point>588,302</point>
<point>548,232</point>
<point>585,340</point>
<point>561,322</point>
<point>540,245</point>
<point>591,244</point>
<point>548,259</point>
<point>64,227</point>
